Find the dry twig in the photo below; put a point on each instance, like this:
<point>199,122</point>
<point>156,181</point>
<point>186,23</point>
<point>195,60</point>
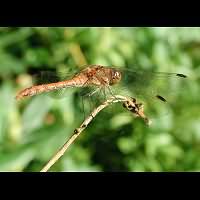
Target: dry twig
<point>128,103</point>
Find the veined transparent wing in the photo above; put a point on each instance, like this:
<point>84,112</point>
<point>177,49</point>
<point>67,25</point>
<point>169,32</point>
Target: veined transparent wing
<point>155,89</point>
<point>50,76</point>
<point>80,94</point>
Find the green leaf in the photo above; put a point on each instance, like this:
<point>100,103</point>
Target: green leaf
<point>17,160</point>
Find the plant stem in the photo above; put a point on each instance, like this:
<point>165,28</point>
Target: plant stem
<point>129,103</point>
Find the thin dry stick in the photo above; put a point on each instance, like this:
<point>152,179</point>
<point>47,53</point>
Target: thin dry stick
<point>129,103</point>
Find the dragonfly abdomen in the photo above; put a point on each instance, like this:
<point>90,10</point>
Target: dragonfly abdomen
<point>38,89</point>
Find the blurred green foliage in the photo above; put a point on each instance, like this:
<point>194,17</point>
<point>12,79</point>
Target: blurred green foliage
<point>32,130</point>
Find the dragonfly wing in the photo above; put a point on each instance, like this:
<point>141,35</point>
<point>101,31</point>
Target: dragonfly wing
<point>153,84</point>
<point>154,88</point>
<point>50,76</point>
<point>89,96</point>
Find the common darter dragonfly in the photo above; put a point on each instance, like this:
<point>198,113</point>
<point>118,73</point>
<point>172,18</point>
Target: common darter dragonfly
<point>104,81</point>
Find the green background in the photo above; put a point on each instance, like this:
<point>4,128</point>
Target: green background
<point>33,129</point>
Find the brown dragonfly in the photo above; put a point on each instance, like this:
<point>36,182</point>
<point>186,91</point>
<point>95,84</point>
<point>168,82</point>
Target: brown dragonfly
<point>150,86</point>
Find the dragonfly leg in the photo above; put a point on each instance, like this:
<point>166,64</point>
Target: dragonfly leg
<point>111,92</point>
<point>103,92</point>
<point>91,93</point>
<point>83,107</point>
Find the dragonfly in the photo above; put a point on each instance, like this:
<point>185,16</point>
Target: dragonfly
<point>108,81</point>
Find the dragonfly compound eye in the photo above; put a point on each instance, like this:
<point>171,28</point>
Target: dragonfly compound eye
<point>116,77</point>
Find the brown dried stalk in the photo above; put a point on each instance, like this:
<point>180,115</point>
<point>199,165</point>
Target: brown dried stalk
<point>128,103</point>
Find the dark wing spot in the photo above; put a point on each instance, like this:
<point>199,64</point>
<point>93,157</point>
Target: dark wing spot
<point>181,75</point>
<point>161,98</point>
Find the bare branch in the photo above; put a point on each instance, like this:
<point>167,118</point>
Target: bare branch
<point>129,103</point>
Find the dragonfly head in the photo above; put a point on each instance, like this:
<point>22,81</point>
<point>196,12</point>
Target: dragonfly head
<point>115,76</point>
